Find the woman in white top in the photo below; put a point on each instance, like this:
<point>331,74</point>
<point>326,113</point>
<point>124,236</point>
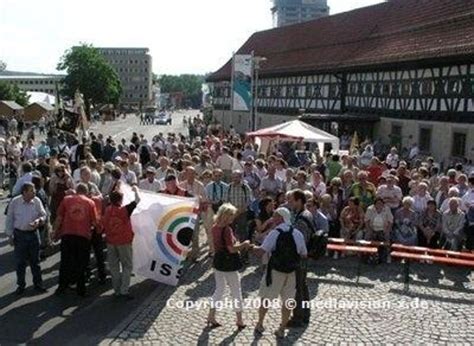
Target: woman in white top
<point>421,198</point>
<point>280,172</point>
<point>453,192</point>
<point>392,158</point>
<point>319,187</point>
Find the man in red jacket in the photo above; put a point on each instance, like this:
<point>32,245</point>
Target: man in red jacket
<point>76,216</point>
<point>119,236</point>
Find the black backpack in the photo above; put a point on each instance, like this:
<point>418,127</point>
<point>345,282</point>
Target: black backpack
<point>285,258</point>
<point>317,242</point>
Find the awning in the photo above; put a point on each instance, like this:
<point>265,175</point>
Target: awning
<point>294,131</point>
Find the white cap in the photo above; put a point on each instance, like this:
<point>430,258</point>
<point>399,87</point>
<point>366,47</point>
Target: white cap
<point>285,214</point>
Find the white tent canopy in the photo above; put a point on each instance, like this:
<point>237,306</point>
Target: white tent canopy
<point>36,96</point>
<point>296,131</point>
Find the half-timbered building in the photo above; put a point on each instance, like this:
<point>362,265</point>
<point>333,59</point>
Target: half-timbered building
<point>400,71</point>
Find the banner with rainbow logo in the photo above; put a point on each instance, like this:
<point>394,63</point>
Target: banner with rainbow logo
<point>163,227</point>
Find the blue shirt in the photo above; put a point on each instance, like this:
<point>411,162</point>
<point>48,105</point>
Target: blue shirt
<point>43,150</point>
<point>216,192</point>
<point>321,222</point>
<point>21,214</point>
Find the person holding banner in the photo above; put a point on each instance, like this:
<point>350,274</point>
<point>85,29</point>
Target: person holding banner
<point>195,188</point>
<point>119,237</point>
<point>226,264</point>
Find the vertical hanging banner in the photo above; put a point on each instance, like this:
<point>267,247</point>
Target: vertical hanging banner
<point>242,83</point>
<point>163,226</point>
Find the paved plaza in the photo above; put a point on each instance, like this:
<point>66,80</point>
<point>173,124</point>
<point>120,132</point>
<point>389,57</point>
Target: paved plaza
<point>437,309</point>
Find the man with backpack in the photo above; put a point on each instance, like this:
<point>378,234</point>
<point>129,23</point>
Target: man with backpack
<point>304,222</point>
<point>286,246</point>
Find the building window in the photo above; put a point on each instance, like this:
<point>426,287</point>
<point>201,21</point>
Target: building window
<point>395,89</point>
<point>454,86</point>
<point>406,88</point>
<point>352,88</point>
<point>317,91</point>
<point>332,90</point>
<point>369,89</point>
<point>459,144</point>
<point>427,88</point>
<point>425,139</point>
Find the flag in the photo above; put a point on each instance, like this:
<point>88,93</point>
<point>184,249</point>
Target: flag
<point>68,120</point>
<point>242,82</point>
<point>354,149</point>
<point>79,109</point>
<point>163,226</point>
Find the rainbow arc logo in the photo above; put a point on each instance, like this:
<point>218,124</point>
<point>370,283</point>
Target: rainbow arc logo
<point>175,233</point>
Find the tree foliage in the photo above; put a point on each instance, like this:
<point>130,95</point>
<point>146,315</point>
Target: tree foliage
<point>88,71</point>
<point>190,85</point>
<point>3,66</point>
<point>10,92</point>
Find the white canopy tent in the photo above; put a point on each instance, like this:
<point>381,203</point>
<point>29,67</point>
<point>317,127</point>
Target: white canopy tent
<point>295,131</point>
<point>36,96</point>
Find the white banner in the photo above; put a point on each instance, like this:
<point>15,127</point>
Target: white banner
<point>163,227</point>
<point>242,83</point>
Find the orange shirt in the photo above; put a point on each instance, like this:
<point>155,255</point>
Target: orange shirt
<point>78,214</point>
<point>117,225</point>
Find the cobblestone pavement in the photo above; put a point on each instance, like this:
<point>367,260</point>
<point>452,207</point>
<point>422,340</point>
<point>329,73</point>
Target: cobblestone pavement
<point>439,308</point>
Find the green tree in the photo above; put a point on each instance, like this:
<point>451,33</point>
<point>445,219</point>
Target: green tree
<point>3,66</point>
<point>89,72</point>
<point>190,85</point>
<point>11,92</point>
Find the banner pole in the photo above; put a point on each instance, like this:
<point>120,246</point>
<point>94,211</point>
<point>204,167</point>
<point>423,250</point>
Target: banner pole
<point>232,89</point>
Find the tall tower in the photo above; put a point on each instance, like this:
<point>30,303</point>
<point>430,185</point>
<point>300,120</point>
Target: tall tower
<point>287,12</point>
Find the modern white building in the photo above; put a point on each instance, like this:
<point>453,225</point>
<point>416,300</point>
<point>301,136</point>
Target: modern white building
<point>38,83</point>
<point>134,68</point>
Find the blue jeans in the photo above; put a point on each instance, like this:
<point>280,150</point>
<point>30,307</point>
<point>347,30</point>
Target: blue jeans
<point>27,246</point>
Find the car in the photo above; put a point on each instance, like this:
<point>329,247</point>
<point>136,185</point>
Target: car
<point>163,119</point>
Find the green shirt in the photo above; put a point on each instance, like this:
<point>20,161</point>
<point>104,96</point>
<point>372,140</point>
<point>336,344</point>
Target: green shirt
<point>334,168</point>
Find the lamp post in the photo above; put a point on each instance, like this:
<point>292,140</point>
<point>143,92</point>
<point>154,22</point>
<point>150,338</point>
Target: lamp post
<point>256,61</point>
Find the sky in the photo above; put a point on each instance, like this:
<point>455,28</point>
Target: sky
<point>184,36</point>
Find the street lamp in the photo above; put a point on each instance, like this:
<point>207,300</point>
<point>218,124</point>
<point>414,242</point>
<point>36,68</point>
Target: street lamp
<point>256,61</point>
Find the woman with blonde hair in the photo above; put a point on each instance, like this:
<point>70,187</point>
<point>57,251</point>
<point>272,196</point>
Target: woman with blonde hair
<point>226,264</point>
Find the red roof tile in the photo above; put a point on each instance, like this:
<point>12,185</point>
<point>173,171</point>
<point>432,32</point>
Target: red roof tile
<point>390,32</point>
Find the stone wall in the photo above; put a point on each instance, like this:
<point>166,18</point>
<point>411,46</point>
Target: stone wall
<point>442,134</point>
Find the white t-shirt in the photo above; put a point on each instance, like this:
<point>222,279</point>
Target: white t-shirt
<point>467,200</point>
<point>281,173</point>
<point>154,186</point>
<point>269,244</point>
<point>394,194</point>
<point>319,189</point>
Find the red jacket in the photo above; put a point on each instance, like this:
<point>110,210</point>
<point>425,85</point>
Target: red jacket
<point>78,214</point>
<point>117,226</point>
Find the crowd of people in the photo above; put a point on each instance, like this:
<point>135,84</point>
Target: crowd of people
<point>69,190</point>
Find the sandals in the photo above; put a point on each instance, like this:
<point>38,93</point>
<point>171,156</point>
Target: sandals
<point>241,327</point>
<point>213,324</point>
